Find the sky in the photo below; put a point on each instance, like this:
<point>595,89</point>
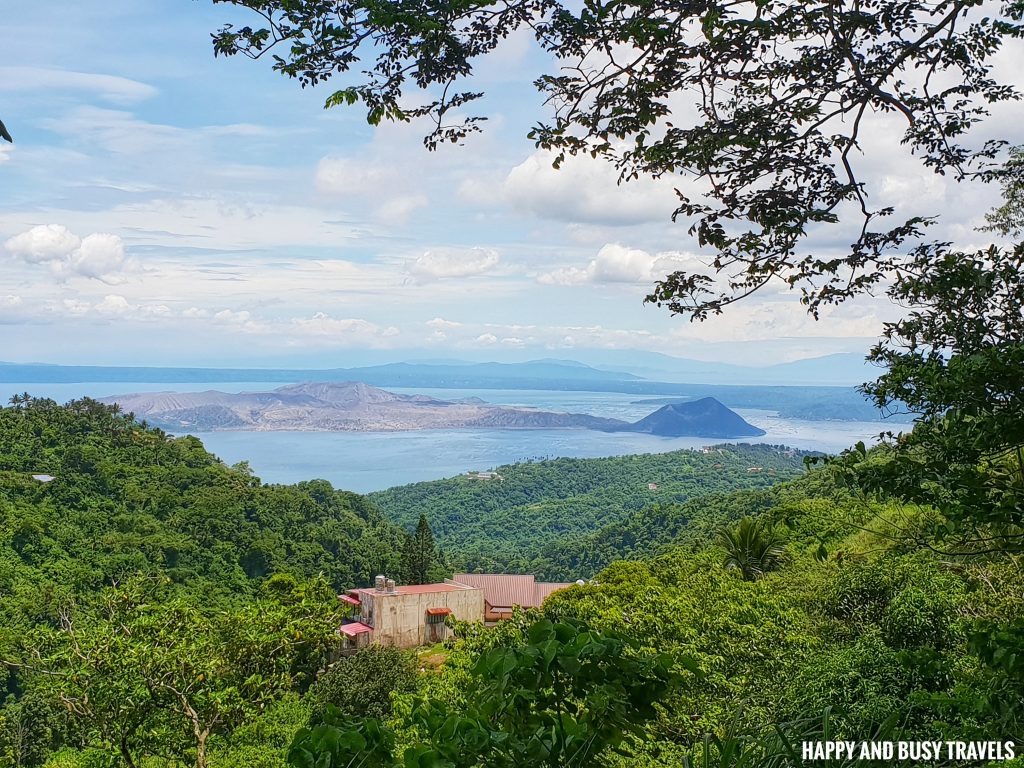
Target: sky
<point>161,206</point>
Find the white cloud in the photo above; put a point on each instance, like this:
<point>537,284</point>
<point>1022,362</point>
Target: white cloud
<point>99,256</point>
<point>13,310</point>
<point>398,209</point>
<point>122,133</point>
<point>439,263</point>
<point>581,190</point>
<point>616,263</point>
<point>37,79</point>
<point>46,242</point>
<point>75,307</point>
<point>114,305</point>
<point>786,318</point>
<point>111,306</point>
<point>440,323</point>
<point>119,132</point>
<point>555,336</point>
<point>119,306</point>
<point>378,183</point>
<point>232,317</point>
<point>344,330</point>
<point>156,310</point>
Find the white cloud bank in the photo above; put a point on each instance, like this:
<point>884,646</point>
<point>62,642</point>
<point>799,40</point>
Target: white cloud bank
<point>441,263</point>
<point>582,190</point>
<point>99,256</point>
<point>616,263</point>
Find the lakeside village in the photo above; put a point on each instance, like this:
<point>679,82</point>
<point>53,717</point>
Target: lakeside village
<point>414,615</point>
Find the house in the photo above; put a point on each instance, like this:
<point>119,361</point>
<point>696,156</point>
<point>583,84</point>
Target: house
<point>502,592</point>
<point>407,616</point>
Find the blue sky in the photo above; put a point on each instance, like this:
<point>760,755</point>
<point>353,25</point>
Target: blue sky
<point>161,206</point>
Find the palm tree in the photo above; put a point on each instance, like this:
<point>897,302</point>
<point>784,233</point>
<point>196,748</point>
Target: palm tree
<point>751,548</point>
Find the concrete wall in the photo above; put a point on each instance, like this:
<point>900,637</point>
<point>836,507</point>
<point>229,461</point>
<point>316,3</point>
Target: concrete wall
<point>401,620</point>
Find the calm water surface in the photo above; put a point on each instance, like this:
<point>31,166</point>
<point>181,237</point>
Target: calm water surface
<point>370,461</point>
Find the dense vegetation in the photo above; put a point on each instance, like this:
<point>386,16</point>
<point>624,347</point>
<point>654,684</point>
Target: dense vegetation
<point>145,559</point>
<point>127,499</point>
<point>137,631</point>
<point>541,517</point>
<point>848,630</point>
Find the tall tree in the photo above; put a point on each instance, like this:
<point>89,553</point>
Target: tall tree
<point>420,554</point>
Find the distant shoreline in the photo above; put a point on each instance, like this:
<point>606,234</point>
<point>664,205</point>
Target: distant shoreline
<point>358,407</point>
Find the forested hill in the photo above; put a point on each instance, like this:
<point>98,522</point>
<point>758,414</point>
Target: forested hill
<point>664,527</point>
<point>539,517</point>
<point>154,600</point>
<point>125,499</point>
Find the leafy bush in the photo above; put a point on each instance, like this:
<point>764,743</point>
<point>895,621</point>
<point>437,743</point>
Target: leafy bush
<point>362,685</point>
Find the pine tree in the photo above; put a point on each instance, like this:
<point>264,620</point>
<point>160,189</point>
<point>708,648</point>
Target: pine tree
<point>419,554</point>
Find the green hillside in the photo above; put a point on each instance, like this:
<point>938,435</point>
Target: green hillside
<point>539,517</point>
<point>852,630</point>
<point>159,609</point>
<point>139,564</point>
<point>129,499</point>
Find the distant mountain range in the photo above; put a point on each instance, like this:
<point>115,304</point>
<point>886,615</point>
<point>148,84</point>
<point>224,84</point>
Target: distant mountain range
<point>606,366</point>
<point>542,374</point>
<point>847,369</point>
<point>358,407</point>
<point>841,403</point>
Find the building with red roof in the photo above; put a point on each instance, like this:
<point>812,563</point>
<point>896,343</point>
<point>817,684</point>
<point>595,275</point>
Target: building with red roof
<point>409,615</point>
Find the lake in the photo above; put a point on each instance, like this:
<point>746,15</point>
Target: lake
<point>372,461</point>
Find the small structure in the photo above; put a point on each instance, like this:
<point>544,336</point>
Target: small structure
<point>42,478</point>
<point>652,486</point>
<point>503,592</point>
<point>356,634</point>
<point>474,475</point>
<point>407,616</point>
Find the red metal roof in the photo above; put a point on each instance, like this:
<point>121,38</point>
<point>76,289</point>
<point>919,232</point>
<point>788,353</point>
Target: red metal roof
<point>544,588</point>
<point>500,589</point>
<point>349,599</point>
<point>503,590</point>
<point>438,611</point>
<point>353,629</point>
